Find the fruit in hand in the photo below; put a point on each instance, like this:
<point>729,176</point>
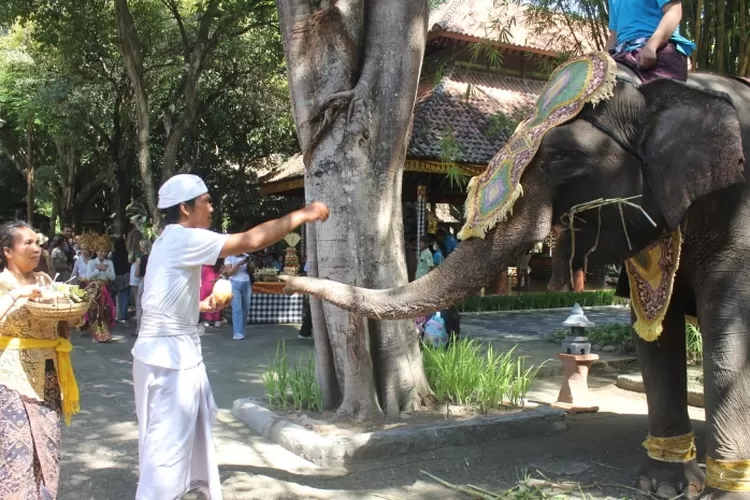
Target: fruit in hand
<point>222,291</point>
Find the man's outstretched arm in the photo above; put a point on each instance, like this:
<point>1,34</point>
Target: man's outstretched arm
<point>273,231</point>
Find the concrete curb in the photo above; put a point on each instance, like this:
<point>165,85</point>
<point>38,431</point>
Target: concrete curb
<point>635,383</point>
<point>362,447</point>
<point>553,309</point>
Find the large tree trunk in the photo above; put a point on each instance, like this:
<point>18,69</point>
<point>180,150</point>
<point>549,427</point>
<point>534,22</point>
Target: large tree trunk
<point>130,47</point>
<point>353,70</point>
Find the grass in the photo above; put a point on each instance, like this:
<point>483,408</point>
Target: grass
<point>547,300</point>
<point>295,387</point>
<point>461,374</point>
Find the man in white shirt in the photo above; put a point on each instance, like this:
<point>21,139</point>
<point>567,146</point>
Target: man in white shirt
<point>174,402</point>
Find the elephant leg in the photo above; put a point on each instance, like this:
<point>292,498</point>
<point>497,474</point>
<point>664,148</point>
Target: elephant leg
<point>725,324</point>
<point>664,369</point>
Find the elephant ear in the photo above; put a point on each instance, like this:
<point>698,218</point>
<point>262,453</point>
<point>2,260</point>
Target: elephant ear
<point>692,145</point>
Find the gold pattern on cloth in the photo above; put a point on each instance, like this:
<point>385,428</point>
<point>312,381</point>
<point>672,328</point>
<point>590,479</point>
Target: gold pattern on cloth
<point>577,82</point>
<point>728,475</point>
<point>65,375</point>
<point>677,449</point>
<point>23,370</point>
<point>651,276</point>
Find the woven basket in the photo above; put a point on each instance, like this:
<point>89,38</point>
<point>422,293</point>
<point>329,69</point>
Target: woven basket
<point>59,311</point>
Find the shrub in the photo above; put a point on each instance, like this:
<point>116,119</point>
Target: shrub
<point>548,300</point>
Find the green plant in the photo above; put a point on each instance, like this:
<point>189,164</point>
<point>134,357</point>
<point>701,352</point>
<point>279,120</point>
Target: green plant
<point>694,344</point>
<point>295,388</point>
<point>607,334</point>
<point>462,375</point>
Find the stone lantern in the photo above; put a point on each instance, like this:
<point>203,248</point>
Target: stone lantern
<point>577,360</point>
<point>576,342</point>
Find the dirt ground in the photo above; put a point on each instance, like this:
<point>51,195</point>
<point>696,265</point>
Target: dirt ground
<point>598,452</point>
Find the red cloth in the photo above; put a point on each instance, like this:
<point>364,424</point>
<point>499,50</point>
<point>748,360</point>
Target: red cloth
<point>208,277</point>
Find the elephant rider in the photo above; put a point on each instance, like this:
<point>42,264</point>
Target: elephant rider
<point>645,36</point>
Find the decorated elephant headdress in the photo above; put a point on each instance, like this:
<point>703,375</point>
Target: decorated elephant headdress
<point>491,195</point>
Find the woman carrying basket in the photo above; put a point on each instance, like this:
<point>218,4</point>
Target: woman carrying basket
<point>37,385</point>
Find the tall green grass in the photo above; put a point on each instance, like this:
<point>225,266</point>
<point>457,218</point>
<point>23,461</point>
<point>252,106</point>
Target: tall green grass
<point>292,387</point>
<point>463,375</point>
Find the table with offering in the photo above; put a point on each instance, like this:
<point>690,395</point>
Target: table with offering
<point>269,304</point>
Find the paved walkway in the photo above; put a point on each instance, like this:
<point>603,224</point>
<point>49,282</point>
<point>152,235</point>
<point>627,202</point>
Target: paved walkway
<point>99,451</point>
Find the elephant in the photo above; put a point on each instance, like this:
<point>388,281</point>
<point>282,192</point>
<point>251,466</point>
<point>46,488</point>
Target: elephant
<point>680,148</point>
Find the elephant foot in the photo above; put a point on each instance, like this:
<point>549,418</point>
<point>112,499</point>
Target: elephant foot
<point>714,494</point>
<point>669,480</point>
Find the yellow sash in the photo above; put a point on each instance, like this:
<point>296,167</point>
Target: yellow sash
<point>65,375</point>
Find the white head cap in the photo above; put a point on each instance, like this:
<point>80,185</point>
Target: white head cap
<point>179,189</point>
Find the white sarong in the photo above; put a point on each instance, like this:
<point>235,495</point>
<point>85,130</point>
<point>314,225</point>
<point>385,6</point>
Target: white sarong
<point>176,411</point>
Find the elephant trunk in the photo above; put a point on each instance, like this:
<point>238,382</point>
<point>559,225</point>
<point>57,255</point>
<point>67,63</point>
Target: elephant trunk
<point>462,274</point>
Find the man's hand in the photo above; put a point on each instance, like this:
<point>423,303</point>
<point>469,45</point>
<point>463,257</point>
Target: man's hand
<point>316,211</point>
<point>646,57</point>
<point>212,304</point>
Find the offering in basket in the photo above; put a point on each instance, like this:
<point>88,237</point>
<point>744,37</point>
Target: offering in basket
<point>267,274</point>
<point>60,302</point>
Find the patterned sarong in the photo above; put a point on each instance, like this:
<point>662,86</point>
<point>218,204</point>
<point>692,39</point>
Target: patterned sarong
<point>29,442</point>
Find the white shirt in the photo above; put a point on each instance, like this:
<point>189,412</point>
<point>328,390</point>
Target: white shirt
<point>80,268</point>
<point>168,336</point>
<point>93,273</point>
<point>134,280</point>
<point>241,276</point>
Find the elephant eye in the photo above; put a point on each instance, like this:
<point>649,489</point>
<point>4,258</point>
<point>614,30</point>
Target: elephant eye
<point>559,158</point>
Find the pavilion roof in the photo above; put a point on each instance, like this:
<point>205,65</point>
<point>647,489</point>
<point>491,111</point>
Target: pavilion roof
<point>513,26</point>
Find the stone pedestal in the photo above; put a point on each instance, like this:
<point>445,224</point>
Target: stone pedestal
<point>574,393</point>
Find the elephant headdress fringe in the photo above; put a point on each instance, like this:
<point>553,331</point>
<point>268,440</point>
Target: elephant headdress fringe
<point>492,194</point>
<point>651,276</point>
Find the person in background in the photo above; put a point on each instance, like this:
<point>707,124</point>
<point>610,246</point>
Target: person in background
<point>120,286</point>
<point>81,266</point>
<point>236,269</point>
<point>140,273</point>
<point>135,281</point>
<point>45,261</point>
<point>37,382</point>
<point>61,267</point>
<point>305,330</point>
<point>645,35</point>
<point>437,253</point>
<point>68,247</point>
<point>426,263</point>
<point>209,275</point>
<point>447,241</point>
<point>100,269</point>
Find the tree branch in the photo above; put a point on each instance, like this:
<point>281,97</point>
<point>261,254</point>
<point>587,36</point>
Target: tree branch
<point>173,8</point>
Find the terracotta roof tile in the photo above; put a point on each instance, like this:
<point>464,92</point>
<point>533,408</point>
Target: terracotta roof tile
<point>516,25</point>
<point>464,105</point>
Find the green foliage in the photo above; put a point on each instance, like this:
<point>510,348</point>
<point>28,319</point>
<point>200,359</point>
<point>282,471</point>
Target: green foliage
<point>609,334</point>
<point>548,300</point>
<point>694,344</point>
<point>461,374</point>
<point>292,387</point>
